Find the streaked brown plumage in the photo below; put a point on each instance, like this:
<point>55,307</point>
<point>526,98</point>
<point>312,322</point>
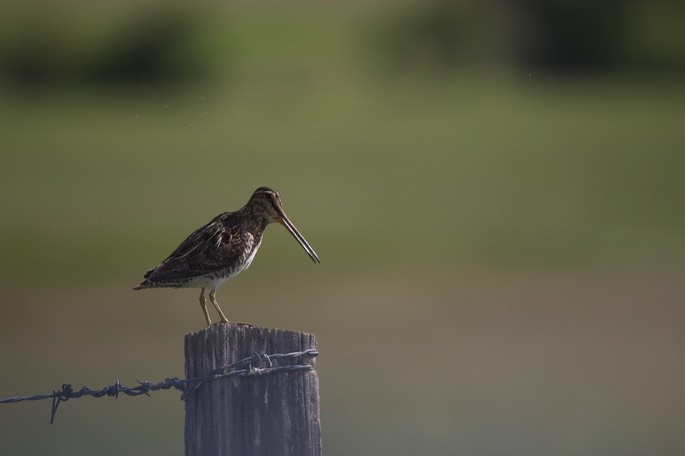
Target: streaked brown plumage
<point>222,249</point>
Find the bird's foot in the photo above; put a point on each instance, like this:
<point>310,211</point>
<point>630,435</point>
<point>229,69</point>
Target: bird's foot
<point>237,323</point>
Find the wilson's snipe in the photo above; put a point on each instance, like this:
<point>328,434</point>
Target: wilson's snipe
<point>223,248</point>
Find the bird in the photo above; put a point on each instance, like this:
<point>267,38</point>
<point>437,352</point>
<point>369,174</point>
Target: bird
<point>222,248</point>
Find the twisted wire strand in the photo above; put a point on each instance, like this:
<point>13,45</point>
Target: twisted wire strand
<point>255,365</point>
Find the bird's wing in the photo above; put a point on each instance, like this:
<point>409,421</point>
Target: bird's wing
<point>202,252</point>
<point>211,234</point>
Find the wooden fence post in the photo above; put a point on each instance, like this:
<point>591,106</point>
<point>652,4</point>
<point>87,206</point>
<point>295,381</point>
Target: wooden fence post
<point>274,414</point>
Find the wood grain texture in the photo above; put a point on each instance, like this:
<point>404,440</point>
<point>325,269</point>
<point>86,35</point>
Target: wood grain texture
<point>276,414</point>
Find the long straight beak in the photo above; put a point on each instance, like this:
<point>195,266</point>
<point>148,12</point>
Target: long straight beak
<point>283,220</point>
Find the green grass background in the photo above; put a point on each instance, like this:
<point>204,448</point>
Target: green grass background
<point>502,253</point>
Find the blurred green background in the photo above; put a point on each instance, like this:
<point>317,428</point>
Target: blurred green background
<point>495,190</point>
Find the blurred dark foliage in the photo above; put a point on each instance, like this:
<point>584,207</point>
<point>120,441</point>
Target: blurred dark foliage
<point>564,36</point>
<point>152,47</point>
<point>150,50</point>
<point>572,35</point>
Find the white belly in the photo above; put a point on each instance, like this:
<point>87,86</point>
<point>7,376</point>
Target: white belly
<point>247,262</point>
<point>213,283</point>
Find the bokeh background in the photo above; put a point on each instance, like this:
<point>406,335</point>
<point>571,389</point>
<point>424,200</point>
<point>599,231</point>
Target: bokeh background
<point>495,190</point>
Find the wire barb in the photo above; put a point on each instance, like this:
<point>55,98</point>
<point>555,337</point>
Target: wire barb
<point>256,365</point>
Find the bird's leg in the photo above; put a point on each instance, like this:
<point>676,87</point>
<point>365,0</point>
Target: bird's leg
<point>203,304</point>
<point>212,297</point>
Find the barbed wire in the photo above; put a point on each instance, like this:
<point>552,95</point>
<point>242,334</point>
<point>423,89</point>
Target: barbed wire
<point>257,364</point>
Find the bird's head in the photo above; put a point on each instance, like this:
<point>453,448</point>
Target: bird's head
<point>267,203</point>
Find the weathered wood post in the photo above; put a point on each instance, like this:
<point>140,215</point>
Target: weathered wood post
<point>264,413</point>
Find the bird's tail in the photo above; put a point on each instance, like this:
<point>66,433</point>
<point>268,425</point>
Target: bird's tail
<point>142,286</point>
